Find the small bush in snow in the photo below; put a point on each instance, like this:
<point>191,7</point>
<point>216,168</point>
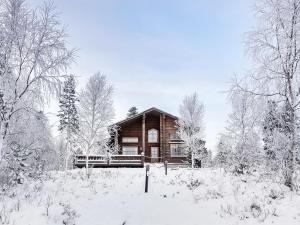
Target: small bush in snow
<point>276,194</point>
<point>226,210</point>
<point>4,216</point>
<point>69,214</point>
<point>194,184</point>
<point>255,210</point>
<point>49,202</point>
<point>213,194</point>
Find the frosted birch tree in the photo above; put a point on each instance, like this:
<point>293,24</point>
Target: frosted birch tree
<point>33,56</point>
<point>243,130</point>
<point>96,114</point>
<point>274,45</point>
<point>190,125</point>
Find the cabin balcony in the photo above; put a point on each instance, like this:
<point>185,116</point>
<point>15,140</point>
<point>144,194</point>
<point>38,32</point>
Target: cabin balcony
<point>112,161</point>
<point>174,138</point>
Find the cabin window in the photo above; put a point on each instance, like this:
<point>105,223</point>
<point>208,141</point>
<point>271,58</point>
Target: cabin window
<point>153,136</point>
<point>129,150</point>
<point>130,139</point>
<point>177,150</point>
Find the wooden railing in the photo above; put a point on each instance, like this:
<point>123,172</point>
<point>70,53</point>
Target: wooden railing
<point>112,161</point>
<point>175,138</point>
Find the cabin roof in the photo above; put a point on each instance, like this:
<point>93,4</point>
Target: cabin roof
<point>144,112</point>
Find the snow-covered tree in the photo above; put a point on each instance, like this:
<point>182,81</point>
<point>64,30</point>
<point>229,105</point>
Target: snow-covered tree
<point>191,128</point>
<point>132,112</point>
<point>96,114</point>
<point>271,125</point>
<point>243,129</point>
<point>274,45</point>
<point>272,135</point>
<point>68,116</point>
<point>29,152</point>
<point>208,160</point>
<point>33,57</point>
<point>34,54</point>
<point>276,137</point>
<point>224,152</point>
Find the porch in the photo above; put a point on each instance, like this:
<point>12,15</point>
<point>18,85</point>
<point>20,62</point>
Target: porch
<point>114,161</point>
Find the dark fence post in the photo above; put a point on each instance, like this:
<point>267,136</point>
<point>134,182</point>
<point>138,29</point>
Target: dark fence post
<point>147,178</point>
<point>166,167</point>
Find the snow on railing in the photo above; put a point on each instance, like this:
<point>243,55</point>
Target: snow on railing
<point>104,160</point>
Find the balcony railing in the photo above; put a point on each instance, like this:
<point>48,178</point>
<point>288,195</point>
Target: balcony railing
<point>112,161</point>
<point>175,138</point>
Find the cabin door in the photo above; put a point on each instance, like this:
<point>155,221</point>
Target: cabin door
<point>154,154</point>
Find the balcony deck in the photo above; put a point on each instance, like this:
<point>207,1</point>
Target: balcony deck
<point>115,161</point>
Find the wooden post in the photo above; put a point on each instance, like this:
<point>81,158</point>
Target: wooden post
<point>161,149</point>
<point>116,140</point>
<point>164,144</point>
<point>144,134</point>
<point>147,178</point>
<point>142,159</point>
<point>166,167</point>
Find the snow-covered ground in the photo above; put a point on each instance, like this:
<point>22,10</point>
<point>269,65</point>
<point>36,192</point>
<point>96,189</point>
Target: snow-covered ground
<point>183,197</point>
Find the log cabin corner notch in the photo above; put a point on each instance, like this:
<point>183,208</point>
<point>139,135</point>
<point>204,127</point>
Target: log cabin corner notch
<point>153,133</point>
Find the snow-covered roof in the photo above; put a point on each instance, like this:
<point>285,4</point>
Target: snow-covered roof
<point>144,112</point>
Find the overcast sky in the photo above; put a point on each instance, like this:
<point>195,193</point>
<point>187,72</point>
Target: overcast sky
<point>155,52</point>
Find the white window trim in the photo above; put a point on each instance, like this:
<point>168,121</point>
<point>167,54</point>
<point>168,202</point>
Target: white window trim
<point>153,130</point>
<point>157,148</point>
<point>130,139</point>
<point>176,156</point>
<point>136,150</point>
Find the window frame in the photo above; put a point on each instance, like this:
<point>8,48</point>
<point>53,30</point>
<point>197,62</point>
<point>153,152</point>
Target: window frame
<point>177,155</point>
<point>135,147</point>
<point>150,131</point>
<point>130,139</point>
<point>157,151</point>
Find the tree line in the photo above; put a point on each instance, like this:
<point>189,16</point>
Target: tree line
<point>263,129</point>
<point>34,60</point>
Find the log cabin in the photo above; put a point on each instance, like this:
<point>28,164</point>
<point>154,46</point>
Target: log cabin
<point>152,133</point>
<point>150,136</point>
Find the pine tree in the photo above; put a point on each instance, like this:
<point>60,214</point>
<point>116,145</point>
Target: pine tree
<point>68,115</point>
<point>132,112</point>
<point>2,119</point>
<point>224,152</point>
<point>277,137</point>
<point>271,125</point>
<point>200,153</point>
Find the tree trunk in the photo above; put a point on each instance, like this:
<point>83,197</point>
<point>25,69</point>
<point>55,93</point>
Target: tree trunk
<point>87,164</point>
<point>193,159</point>
<point>67,159</point>
<point>290,154</point>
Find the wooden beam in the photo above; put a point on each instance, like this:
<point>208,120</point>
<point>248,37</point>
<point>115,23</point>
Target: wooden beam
<point>164,136</point>
<point>161,149</point>
<point>116,139</point>
<point>144,134</point>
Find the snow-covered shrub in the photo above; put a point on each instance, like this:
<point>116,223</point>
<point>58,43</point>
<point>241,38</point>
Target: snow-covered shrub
<point>69,214</point>
<point>226,209</point>
<point>194,183</point>
<point>28,152</point>
<point>48,203</point>
<point>297,180</point>
<point>213,194</point>
<point>4,215</point>
<point>276,194</point>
